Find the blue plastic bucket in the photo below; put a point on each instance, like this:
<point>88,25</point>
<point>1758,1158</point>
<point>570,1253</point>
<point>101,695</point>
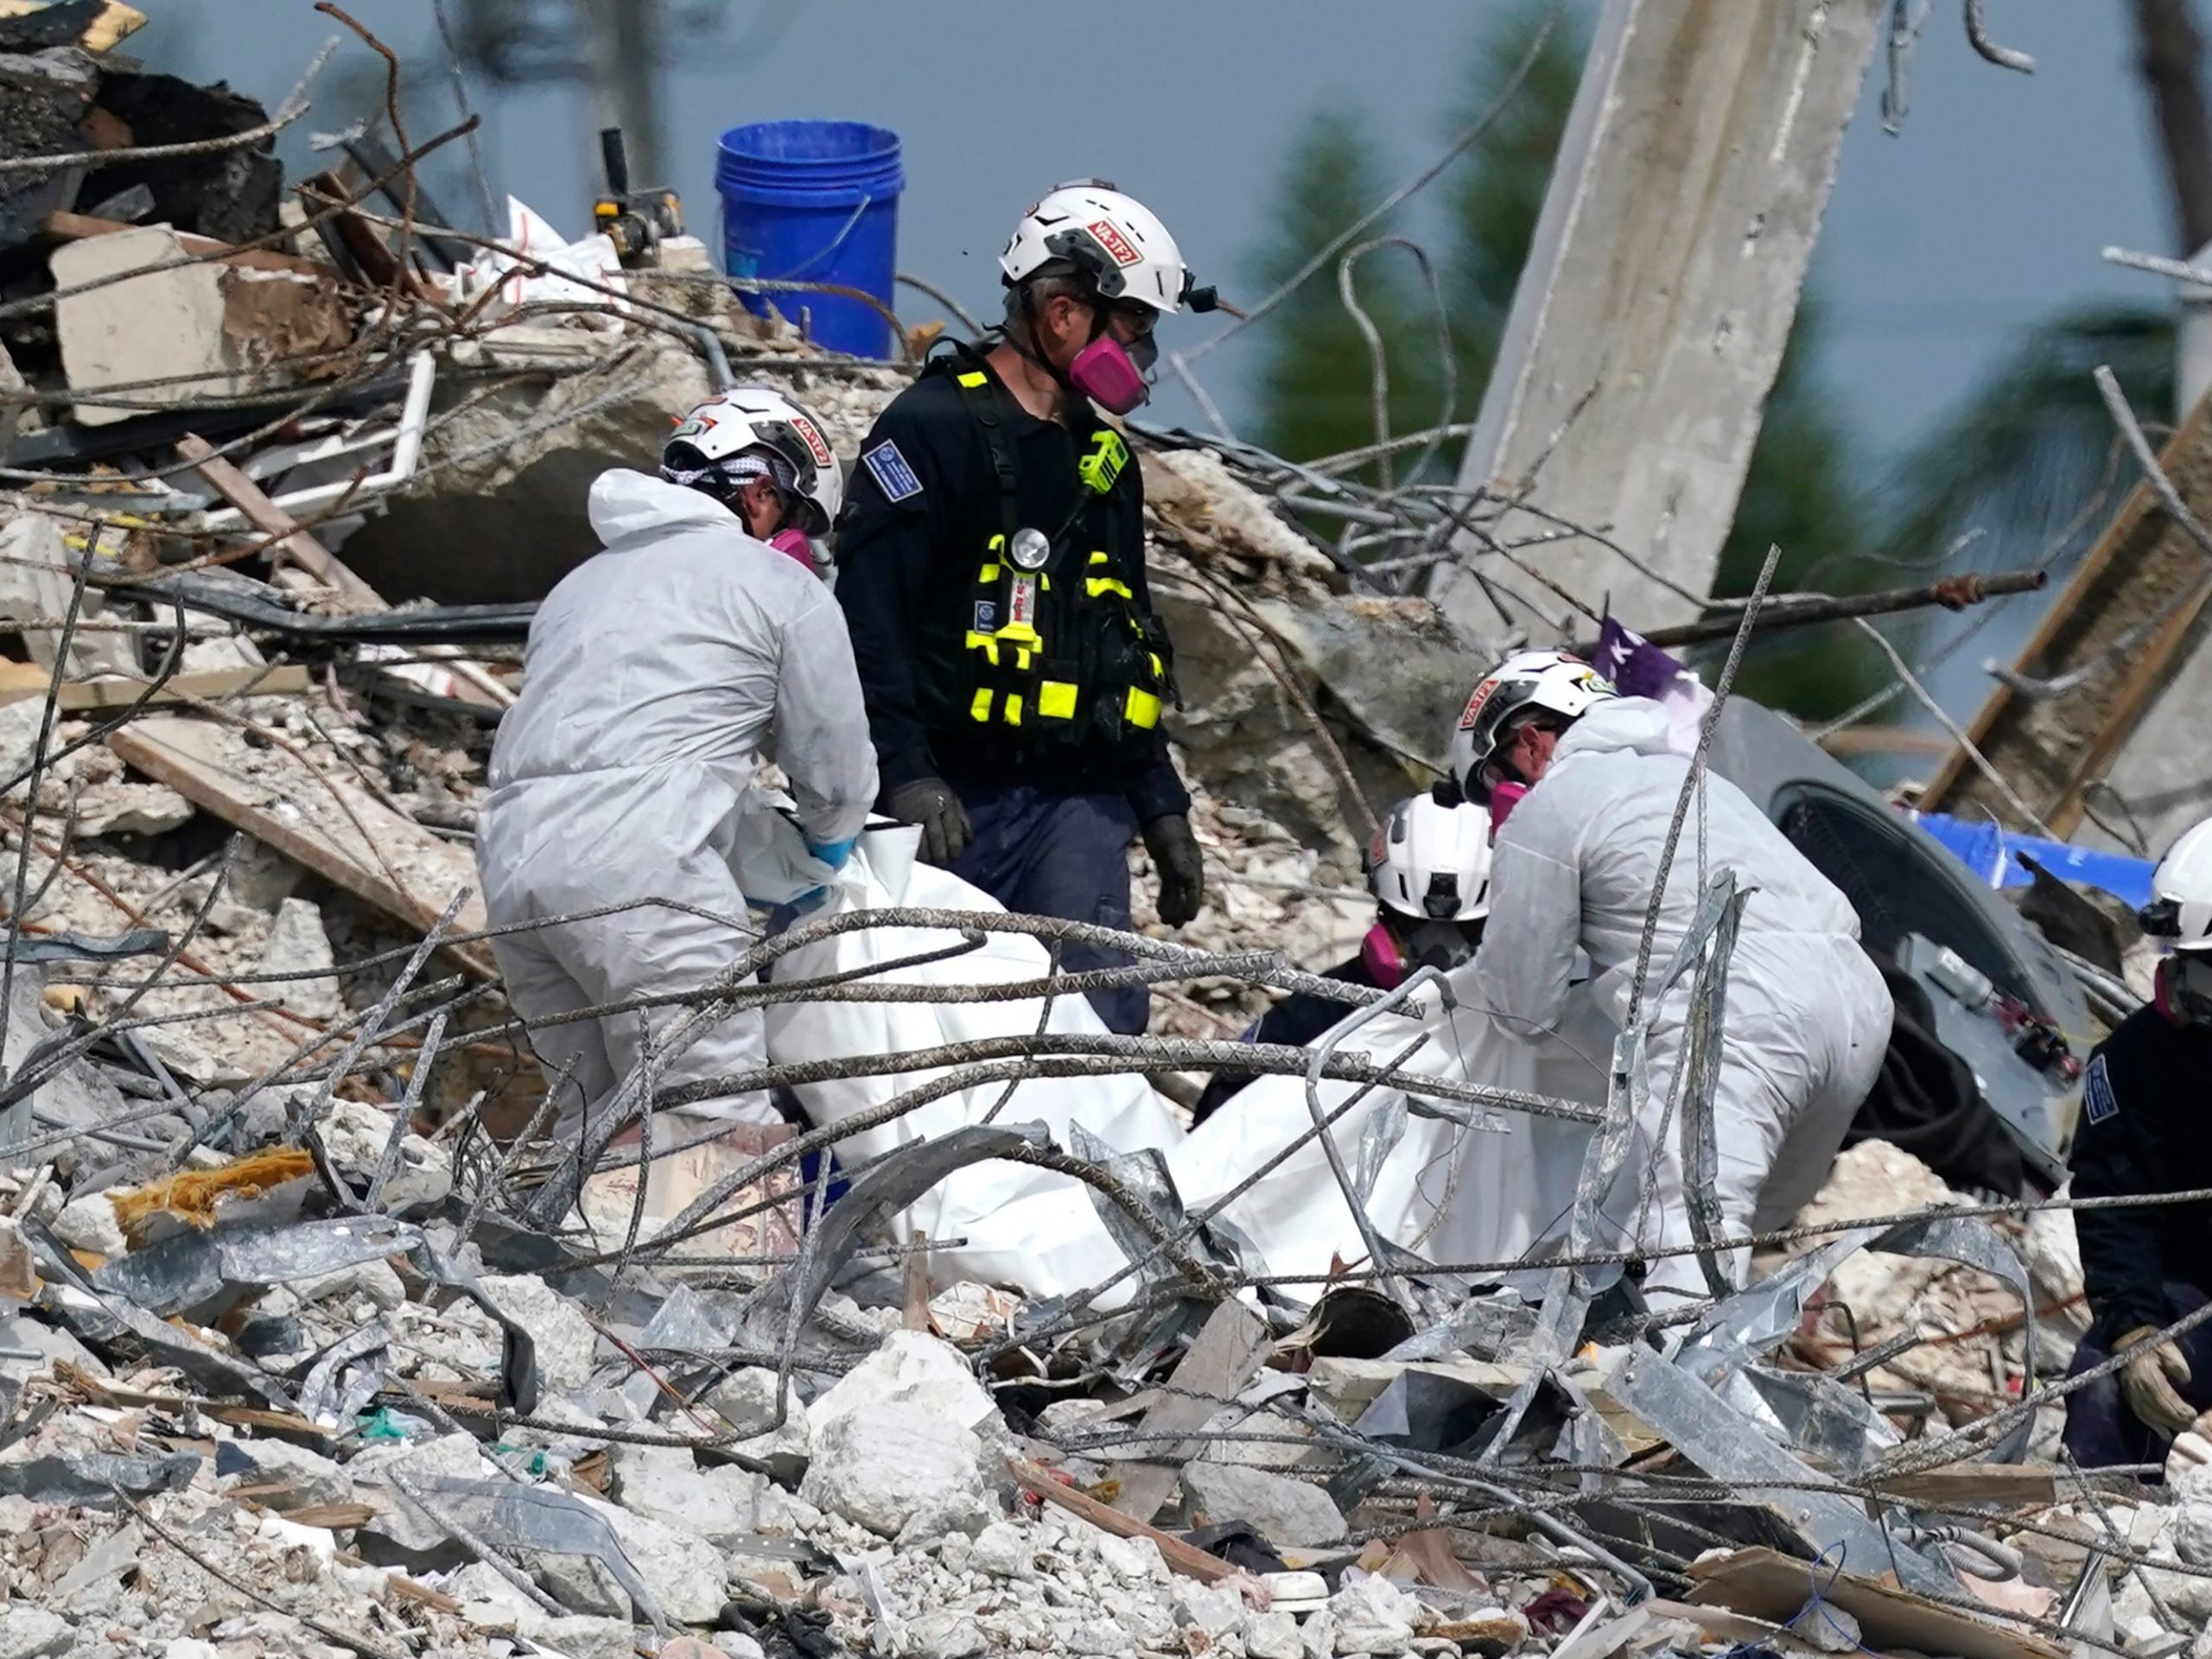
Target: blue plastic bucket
<point>815,202</point>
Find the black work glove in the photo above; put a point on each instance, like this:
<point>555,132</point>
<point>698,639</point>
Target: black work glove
<point>931,803</point>
<point>1174,852</point>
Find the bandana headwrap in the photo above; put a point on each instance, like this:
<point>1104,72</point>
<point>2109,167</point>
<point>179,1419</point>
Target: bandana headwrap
<point>724,478</point>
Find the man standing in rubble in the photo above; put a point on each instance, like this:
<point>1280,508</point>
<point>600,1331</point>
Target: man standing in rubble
<point>2145,1133</point>
<point>1583,786</point>
<point>992,569</point>
<point>657,674</point>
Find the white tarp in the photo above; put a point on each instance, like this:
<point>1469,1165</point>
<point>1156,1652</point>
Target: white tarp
<point>1025,1226</point>
<point>1448,1192</point>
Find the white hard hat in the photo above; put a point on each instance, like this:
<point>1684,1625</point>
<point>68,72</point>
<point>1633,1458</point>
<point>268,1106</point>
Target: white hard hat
<point>2181,892</point>
<point>1550,680</point>
<point>1430,863</point>
<point>760,418</point>
<point>1114,239</point>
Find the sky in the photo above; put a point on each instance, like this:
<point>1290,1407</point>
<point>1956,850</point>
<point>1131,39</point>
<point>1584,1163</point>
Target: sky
<point>1942,245</point>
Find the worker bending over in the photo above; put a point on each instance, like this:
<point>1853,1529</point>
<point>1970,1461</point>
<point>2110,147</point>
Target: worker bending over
<point>993,571</point>
<point>1429,870</point>
<point>1584,785</point>
<point>658,673</point>
<point>2147,1130</point>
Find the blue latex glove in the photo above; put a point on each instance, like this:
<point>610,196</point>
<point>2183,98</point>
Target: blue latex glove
<point>833,852</point>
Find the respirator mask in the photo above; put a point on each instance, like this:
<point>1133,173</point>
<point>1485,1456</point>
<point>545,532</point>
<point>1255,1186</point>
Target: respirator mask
<point>1442,946</point>
<point>795,542</point>
<point>1113,375</point>
<point>2183,989</point>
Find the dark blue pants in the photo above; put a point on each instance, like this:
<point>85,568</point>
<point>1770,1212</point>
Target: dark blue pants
<point>2100,1430</point>
<point>1046,853</point>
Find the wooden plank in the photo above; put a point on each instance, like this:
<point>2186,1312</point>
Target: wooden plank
<point>1186,1559</point>
<point>1768,1585</point>
<point>397,865</point>
<point>2148,674</point>
<point>2142,560</point>
<point>20,681</point>
<point>2003,1483</point>
<point>264,515</point>
<point>1229,1347</point>
<point>76,228</point>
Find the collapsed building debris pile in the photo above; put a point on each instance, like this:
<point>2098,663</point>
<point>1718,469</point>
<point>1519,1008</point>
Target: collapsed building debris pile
<point>312,1348</point>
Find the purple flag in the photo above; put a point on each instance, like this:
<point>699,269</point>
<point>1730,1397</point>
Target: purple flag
<point>1635,667</point>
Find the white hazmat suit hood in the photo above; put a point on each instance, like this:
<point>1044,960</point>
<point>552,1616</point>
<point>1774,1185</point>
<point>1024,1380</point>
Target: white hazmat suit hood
<point>1808,1017</point>
<point>657,673</point>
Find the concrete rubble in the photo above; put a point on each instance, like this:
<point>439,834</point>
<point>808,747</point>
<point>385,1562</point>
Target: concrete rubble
<point>300,1358</point>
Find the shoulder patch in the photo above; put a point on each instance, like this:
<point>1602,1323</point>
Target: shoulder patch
<point>892,475</point>
<point>2098,1103</point>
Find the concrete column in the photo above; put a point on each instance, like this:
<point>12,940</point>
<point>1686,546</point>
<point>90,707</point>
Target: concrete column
<point>1650,318</point>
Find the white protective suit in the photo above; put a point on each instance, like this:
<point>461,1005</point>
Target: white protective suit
<point>1808,1017</point>
<point>655,674</point>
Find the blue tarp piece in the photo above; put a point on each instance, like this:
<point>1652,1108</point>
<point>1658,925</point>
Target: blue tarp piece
<point>1992,853</point>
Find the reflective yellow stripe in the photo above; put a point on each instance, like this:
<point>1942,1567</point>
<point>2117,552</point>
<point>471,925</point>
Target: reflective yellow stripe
<point>980,708</point>
<point>1159,669</point>
<point>989,572</point>
<point>1143,709</point>
<point>973,377</point>
<point>1056,700</point>
<point>986,642</point>
<point>1098,558</point>
<point>1020,633</point>
<point>1097,585</point>
<point>1013,709</point>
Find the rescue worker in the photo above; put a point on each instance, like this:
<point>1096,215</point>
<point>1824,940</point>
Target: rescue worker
<point>1429,870</point>
<point>657,674</point>
<point>1583,786</point>
<point>2144,1130</point>
<point>992,569</point>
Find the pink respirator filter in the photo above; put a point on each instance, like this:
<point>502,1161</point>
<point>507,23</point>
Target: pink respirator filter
<point>1103,372</point>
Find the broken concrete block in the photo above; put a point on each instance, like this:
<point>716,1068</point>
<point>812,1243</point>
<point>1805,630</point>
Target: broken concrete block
<point>1373,1616</point>
<point>128,808</point>
<point>29,1632</point>
<point>1216,1610</point>
<point>1285,1512</point>
<point>298,944</point>
<point>375,1282</point>
<point>912,1368</point>
<point>159,325</point>
<point>663,1484</point>
<point>104,1564</point>
<point>398,1523</point>
<point>566,1342</point>
<point>1132,1560</point>
<point>946,1635</point>
<point>35,582</point>
<point>727,1645</point>
<point>747,1399</point>
<point>1004,1551</point>
<point>501,523</point>
<point>88,1223</point>
<point>582,1636</point>
<point>893,1467</point>
<point>684,1572</point>
<point>282,1476</point>
<point>1273,1635</point>
<point>354,1134</point>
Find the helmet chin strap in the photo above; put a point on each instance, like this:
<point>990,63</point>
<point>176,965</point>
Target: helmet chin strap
<point>1032,351</point>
